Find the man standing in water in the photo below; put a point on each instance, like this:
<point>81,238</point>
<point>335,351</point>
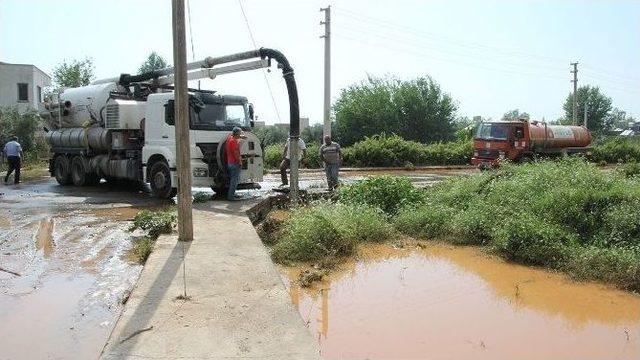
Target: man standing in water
<point>234,162</point>
<point>13,152</point>
<point>331,155</point>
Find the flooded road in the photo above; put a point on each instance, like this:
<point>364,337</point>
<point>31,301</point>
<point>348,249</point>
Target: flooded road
<point>444,302</point>
<point>71,248</point>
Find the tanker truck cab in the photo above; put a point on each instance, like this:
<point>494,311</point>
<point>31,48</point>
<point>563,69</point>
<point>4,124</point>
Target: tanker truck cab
<point>497,141</point>
<point>211,119</point>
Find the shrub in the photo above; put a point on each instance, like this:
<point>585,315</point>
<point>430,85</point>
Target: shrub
<point>629,170</point>
<point>143,248</point>
<point>155,223</point>
<point>328,230</point>
<point>449,153</point>
<point>201,197</point>
<point>273,156</point>
<point>620,266</point>
<point>428,221</point>
<point>616,150</point>
<point>388,193</point>
<point>530,240</point>
<point>386,150</point>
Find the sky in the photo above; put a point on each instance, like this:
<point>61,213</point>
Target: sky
<point>491,56</point>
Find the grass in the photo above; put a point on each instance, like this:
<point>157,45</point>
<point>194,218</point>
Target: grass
<point>325,230</point>
<point>154,223</point>
<point>201,197</point>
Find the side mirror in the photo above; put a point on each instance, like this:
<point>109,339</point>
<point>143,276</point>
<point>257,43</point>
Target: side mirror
<point>251,113</point>
<point>252,123</point>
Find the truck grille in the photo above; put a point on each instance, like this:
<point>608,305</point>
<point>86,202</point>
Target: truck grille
<point>489,154</point>
<point>112,120</point>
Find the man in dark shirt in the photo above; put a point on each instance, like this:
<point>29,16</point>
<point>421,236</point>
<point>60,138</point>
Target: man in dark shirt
<point>331,155</point>
<point>234,162</point>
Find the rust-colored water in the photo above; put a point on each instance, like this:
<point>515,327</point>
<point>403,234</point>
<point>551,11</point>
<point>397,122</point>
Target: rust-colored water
<point>44,237</point>
<point>445,302</point>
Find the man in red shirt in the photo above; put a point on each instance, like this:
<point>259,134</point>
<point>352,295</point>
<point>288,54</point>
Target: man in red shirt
<point>234,161</point>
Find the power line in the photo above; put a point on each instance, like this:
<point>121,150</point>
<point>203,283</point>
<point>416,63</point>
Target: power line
<point>264,73</point>
<point>443,59</point>
<point>467,45</point>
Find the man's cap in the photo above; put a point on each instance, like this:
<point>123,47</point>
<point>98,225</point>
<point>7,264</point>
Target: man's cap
<point>14,138</point>
<point>236,131</point>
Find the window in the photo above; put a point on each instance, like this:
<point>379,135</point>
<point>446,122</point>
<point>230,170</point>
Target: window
<point>23,92</point>
<point>39,94</point>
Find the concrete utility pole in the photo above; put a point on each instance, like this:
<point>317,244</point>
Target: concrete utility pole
<point>575,92</point>
<point>586,107</point>
<point>327,68</point>
<point>181,116</point>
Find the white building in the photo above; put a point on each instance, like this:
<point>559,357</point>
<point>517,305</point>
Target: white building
<point>22,85</point>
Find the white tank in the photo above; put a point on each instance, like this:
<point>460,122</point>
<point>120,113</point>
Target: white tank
<point>86,104</point>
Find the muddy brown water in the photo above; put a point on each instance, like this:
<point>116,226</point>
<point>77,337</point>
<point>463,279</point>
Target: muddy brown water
<point>73,252</point>
<point>445,302</point>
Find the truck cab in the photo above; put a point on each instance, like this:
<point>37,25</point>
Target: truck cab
<point>211,119</point>
<point>498,141</point>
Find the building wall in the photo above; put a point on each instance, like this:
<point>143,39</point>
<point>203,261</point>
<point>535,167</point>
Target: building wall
<point>13,74</point>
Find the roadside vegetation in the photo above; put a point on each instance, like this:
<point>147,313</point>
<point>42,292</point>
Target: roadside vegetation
<point>154,223</point>
<point>24,126</point>
<point>615,150</point>
<point>565,215</point>
<point>385,151</point>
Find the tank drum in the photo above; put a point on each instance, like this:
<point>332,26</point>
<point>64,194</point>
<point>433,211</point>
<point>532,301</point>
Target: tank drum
<point>95,138</point>
<point>547,136</point>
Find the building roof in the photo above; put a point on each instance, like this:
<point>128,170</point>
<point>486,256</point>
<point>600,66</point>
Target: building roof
<point>5,63</point>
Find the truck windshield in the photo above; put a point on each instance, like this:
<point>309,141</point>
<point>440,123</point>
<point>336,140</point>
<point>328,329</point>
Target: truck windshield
<point>219,117</point>
<point>492,131</point>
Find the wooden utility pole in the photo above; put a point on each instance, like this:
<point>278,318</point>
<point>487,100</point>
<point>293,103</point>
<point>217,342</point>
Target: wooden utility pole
<point>327,68</point>
<point>181,116</point>
<point>575,92</point>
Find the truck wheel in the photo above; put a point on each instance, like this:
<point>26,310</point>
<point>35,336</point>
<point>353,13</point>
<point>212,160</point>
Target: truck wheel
<point>79,172</point>
<point>61,170</point>
<point>160,180</point>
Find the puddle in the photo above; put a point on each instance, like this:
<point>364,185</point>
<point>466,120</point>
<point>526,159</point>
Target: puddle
<point>44,237</point>
<point>445,302</point>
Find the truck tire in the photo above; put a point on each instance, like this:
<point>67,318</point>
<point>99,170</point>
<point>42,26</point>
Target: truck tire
<point>61,170</point>
<point>160,180</point>
<point>79,171</point>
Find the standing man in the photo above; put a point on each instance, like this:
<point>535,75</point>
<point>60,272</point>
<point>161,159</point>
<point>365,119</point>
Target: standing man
<point>234,161</point>
<point>286,162</point>
<point>331,155</point>
<point>13,152</point>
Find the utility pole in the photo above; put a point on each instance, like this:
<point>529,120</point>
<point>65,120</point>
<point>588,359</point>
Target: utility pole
<point>327,68</point>
<point>575,92</point>
<point>181,116</point>
<point>586,107</point>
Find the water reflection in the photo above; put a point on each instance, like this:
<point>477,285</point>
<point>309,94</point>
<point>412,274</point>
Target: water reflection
<point>452,302</point>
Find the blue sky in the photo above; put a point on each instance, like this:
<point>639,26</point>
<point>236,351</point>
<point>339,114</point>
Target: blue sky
<point>491,56</point>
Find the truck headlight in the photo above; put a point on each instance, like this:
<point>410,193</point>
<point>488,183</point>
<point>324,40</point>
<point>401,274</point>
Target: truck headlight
<point>501,155</point>
<point>200,172</point>
<point>475,153</point>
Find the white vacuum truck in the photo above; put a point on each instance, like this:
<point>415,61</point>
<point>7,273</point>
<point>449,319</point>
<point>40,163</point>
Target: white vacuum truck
<point>123,128</point>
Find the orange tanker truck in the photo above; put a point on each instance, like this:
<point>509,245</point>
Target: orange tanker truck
<point>523,140</point>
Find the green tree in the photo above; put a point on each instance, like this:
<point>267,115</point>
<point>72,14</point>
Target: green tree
<point>416,110</point>
<point>23,126</point>
<point>515,114</point>
<point>598,108</point>
<point>313,134</point>
<point>270,135</point>
<point>73,74</point>
<point>619,119</point>
<point>153,62</point>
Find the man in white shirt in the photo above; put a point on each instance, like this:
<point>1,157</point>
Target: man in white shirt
<point>13,152</point>
<point>286,162</point>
